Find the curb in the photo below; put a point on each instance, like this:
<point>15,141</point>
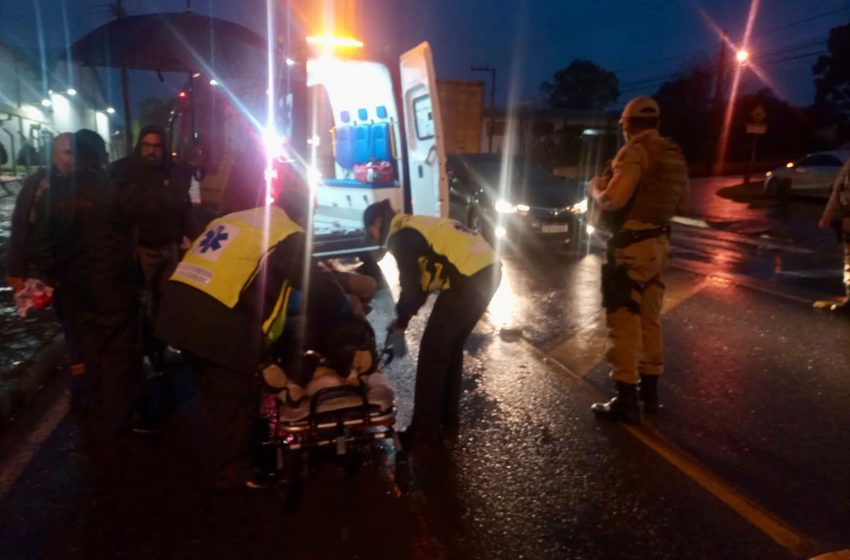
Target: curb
<point>26,379</point>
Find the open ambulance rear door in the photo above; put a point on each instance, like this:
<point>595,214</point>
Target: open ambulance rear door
<point>423,128</point>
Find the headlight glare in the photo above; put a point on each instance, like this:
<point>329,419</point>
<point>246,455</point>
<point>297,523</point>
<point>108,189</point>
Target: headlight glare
<point>580,207</point>
<point>505,207</point>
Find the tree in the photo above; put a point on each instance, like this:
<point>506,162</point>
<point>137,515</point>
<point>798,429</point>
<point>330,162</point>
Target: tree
<point>686,110</point>
<point>789,129</point>
<point>832,72</point>
<point>582,85</point>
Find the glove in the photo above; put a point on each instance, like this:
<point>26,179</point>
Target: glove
<point>395,342</point>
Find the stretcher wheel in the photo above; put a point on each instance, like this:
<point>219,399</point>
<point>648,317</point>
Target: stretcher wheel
<point>403,473</point>
<point>290,485</point>
<point>352,461</point>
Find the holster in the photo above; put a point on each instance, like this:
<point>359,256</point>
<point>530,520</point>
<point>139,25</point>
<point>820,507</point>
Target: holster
<point>617,288</point>
<point>625,237</point>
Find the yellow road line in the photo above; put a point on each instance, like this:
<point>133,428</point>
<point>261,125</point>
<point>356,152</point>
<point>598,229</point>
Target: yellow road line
<point>18,459</point>
<point>780,532</point>
<point>837,555</point>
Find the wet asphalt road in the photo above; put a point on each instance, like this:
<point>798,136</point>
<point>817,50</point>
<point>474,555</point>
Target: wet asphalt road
<point>747,459</point>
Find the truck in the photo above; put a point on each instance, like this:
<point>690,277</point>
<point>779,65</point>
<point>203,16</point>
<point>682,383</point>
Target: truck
<point>363,130</point>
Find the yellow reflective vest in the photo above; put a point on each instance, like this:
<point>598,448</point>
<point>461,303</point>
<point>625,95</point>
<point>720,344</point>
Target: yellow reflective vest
<point>228,254</point>
<point>462,247</point>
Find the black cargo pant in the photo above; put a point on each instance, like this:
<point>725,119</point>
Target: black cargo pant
<point>157,264</point>
<point>440,366</point>
<point>230,403</point>
<point>110,346</point>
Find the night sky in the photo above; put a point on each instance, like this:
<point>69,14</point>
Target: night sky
<point>643,41</point>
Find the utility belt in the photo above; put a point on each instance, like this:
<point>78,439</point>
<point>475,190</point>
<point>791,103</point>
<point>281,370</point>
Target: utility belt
<point>625,237</point>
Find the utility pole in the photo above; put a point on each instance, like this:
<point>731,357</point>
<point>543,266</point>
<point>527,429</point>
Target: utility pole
<point>716,123</point>
<point>492,71</point>
<point>119,12</point>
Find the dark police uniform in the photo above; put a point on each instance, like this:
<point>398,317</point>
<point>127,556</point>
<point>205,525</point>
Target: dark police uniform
<point>435,254</point>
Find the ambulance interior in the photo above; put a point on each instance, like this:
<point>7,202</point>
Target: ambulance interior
<point>355,141</point>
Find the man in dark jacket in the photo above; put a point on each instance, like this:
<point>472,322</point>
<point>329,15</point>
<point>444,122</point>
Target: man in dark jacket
<point>93,262</point>
<point>23,252</point>
<point>225,305</point>
<point>29,252</point>
<point>157,191</point>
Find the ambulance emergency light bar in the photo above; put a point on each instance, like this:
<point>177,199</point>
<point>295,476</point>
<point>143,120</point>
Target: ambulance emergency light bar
<point>334,41</point>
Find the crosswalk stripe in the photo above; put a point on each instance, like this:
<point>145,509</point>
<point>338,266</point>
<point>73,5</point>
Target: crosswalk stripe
<point>584,349</point>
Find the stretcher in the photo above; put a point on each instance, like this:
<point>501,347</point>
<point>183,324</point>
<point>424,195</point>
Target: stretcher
<point>331,416</point>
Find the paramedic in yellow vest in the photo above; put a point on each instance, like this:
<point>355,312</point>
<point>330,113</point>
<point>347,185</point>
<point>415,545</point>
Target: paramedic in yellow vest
<point>435,254</point>
<point>641,190</point>
<point>225,304</point>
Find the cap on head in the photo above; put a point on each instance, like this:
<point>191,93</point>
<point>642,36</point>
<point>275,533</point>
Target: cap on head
<point>641,108</point>
<point>383,210</point>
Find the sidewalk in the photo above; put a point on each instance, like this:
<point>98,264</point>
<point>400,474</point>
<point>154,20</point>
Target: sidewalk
<point>32,347</point>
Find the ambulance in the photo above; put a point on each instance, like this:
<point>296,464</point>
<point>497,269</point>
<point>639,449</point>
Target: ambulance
<point>363,130</point>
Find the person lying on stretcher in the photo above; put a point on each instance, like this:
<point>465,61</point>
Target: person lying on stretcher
<point>347,355</point>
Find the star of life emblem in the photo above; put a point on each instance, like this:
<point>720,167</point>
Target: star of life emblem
<point>214,240</point>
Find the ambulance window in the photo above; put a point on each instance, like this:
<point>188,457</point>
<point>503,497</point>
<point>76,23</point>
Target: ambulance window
<point>424,119</point>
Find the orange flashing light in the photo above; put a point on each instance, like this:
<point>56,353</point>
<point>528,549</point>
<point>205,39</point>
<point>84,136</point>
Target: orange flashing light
<point>333,41</point>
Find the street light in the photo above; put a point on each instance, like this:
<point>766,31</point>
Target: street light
<point>742,56</point>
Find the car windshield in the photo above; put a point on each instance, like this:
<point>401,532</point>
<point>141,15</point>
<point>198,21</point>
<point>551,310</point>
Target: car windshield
<point>820,160</point>
<point>521,172</point>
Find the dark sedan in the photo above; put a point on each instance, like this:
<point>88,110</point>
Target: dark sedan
<point>512,198</point>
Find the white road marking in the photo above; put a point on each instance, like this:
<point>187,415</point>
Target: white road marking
<point>18,459</point>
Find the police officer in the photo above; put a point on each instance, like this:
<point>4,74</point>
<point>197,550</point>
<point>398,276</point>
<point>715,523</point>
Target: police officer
<point>837,215</point>
<point>639,192</point>
<point>226,303</point>
<point>435,254</point>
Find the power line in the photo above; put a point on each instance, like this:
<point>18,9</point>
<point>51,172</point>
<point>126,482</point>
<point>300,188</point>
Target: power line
<point>645,5</point>
<point>708,49</point>
<point>659,81</point>
<point>804,20</point>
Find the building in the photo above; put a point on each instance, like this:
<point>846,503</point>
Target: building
<point>38,101</point>
<point>574,144</point>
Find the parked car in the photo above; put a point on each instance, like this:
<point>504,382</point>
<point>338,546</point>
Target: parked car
<point>513,198</point>
<point>813,175</point>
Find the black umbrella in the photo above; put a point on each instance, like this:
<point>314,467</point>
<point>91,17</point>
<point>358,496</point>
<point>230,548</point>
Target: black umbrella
<point>171,42</point>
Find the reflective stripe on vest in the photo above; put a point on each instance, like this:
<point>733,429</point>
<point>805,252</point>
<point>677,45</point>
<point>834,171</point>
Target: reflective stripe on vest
<point>661,186</point>
<point>463,248</point>
<point>224,259</point>
<point>276,321</point>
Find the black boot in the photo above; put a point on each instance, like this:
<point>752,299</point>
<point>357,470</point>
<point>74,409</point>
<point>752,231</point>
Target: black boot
<point>842,308</point>
<point>648,393</point>
<point>622,408</point>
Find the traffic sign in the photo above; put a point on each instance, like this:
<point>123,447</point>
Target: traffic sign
<point>756,128</point>
<point>758,115</point>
